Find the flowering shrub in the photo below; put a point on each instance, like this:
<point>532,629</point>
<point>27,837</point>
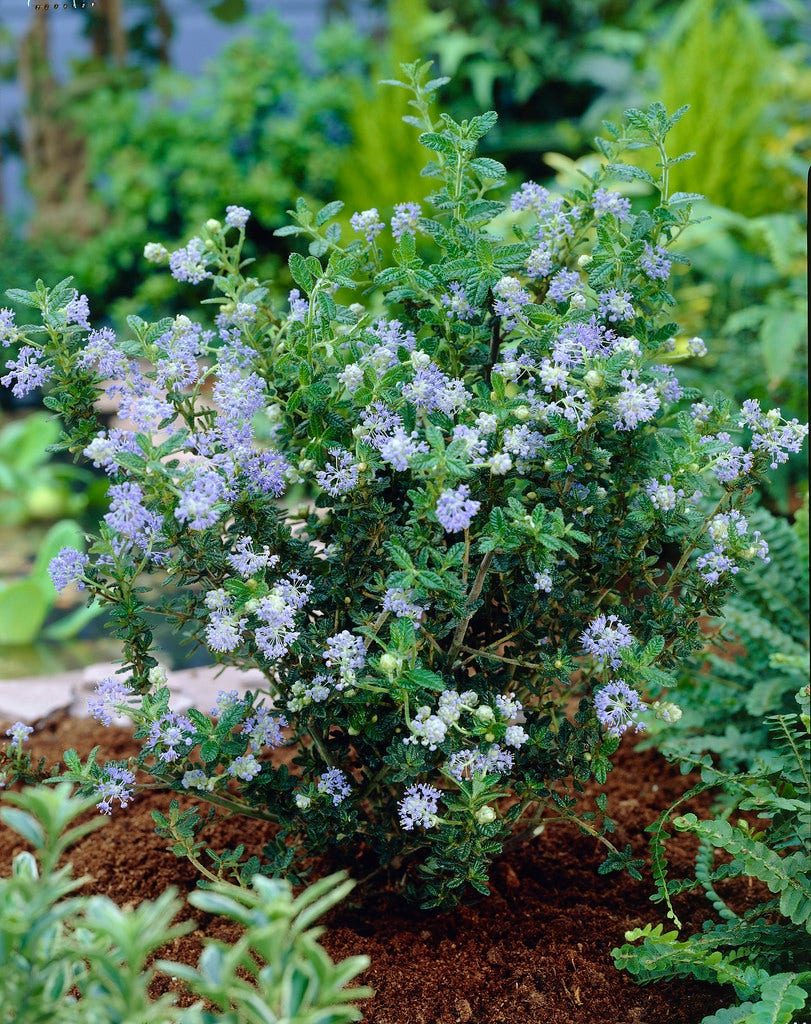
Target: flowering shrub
<point>433,502</point>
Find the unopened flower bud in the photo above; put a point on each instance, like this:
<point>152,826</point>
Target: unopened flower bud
<point>154,252</point>
<point>485,815</point>
<point>521,413</point>
<point>213,226</point>
<point>301,801</point>
<point>485,713</point>
<point>593,379</point>
<point>578,301</point>
<point>306,465</point>
<point>157,676</point>
<point>584,260</point>
<point>667,711</point>
<point>390,664</point>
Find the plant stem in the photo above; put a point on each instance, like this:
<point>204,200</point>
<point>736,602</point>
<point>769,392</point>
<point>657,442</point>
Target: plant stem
<point>473,596</point>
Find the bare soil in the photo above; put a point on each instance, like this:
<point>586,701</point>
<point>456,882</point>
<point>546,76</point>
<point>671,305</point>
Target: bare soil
<point>537,951</point>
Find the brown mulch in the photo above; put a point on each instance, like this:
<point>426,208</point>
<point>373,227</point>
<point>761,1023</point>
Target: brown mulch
<point>537,951</point>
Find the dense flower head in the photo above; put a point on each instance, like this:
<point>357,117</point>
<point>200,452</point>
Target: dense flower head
<point>615,305</point>
<point>110,692</point>
<point>116,783</point>
<point>264,729</point>
<point>129,517</point>
<point>605,202</point>
<point>102,353</point>
<point>540,262</point>
<point>618,707</point>
<point>342,477</point>
<point>172,736</point>
<point>299,306</point>
<point>400,602</point>
<point>511,297</point>
<point>655,262</point>
<point>663,494</point>
<point>19,733</point>
<point>68,567</point>
<point>405,220</point>
<point>335,784</point>
<point>493,761</point>
<point>419,806</point>
<point>604,638</point>
<point>245,767</point>
<point>564,284</point>
<point>455,508</point>
<point>189,264</point>
<point>197,504</point>
<point>236,216</point>
<point>731,540</point>
<point>347,654</point>
<point>427,728</point>
<point>77,311</point>
<point>248,562</point>
<point>8,328</point>
<point>636,403</point>
<point>431,389</point>
<point>367,223</point>
<point>456,302</point>
<point>26,372</point>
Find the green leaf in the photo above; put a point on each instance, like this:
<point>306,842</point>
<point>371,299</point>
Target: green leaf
<point>424,678</point>
<point>328,212</point>
<point>300,272</point>
<point>24,443</point>
<point>24,604</point>
<point>71,625</point>
<point>781,334</point>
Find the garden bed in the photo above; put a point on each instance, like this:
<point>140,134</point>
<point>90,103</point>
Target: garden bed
<point>536,952</point>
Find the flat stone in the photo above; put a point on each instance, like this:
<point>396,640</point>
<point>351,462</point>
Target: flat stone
<point>31,700</point>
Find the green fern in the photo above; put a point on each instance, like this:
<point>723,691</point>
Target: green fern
<point>717,57</point>
<point>762,953</point>
<point>727,696</point>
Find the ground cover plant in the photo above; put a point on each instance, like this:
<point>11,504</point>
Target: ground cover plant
<point>763,951</point>
<point>433,500</point>
<point>79,958</point>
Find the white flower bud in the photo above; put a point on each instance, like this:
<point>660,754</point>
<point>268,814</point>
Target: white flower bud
<point>213,226</point>
<point>485,713</point>
<point>485,815</point>
<point>390,664</point>
<point>154,252</point>
<point>593,378</point>
<point>157,676</point>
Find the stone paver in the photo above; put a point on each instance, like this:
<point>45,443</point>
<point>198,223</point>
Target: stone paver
<point>35,699</point>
